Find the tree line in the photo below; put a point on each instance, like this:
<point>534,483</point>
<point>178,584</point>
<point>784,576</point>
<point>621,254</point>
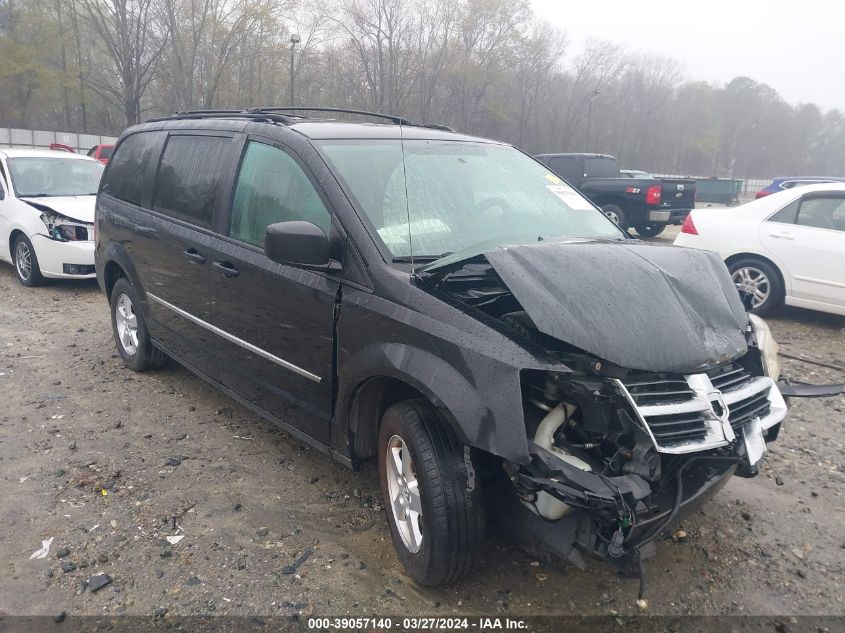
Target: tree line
<point>486,67</point>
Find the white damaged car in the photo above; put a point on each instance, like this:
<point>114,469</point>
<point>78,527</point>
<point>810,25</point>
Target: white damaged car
<point>47,203</point>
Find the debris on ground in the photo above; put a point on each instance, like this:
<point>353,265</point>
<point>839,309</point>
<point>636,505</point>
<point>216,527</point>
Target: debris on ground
<point>98,581</point>
<point>45,549</point>
<point>291,569</point>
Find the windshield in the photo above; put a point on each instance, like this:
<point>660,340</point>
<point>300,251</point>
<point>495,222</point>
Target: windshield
<point>106,150</point>
<point>459,195</point>
<point>49,176</point>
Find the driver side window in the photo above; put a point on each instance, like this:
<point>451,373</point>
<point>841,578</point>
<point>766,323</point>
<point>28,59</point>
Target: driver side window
<point>271,188</point>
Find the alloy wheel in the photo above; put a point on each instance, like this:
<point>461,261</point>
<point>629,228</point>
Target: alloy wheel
<point>127,324</point>
<point>23,260</point>
<point>753,281</point>
<point>404,493</point>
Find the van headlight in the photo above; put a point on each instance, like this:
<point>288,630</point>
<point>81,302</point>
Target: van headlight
<point>767,345</point>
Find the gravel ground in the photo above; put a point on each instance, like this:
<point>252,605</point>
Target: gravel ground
<point>105,465</point>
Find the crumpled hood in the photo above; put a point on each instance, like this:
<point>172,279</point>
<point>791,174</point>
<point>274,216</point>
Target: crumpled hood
<point>639,305</point>
<point>80,208</point>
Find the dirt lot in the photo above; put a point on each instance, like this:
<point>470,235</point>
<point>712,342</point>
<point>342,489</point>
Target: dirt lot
<point>108,463</point>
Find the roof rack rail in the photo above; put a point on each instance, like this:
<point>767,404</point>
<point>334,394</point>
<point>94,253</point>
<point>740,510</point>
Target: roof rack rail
<point>396,120</point>
<point>227,114</point>
<point>286,115</point>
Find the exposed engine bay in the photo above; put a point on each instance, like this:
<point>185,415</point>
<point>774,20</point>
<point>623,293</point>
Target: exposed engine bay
<point>617,451</point>
<point>62,228</point>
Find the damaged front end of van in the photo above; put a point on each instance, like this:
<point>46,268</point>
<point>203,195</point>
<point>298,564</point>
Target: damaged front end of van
<point>668,388</point>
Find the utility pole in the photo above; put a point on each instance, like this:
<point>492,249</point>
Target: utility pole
<point>294,40</point>
<point>590,118</point>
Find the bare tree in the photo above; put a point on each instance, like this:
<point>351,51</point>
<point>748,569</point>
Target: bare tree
<point>134,42</point>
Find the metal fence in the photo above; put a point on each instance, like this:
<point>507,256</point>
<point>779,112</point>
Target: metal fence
<point>42,139</point>
<point>749,187</point>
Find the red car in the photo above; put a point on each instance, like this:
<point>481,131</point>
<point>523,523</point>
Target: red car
<point>101,152</point>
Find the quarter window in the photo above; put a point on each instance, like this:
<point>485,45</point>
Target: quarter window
<point>271,188</point>
<point>787,214</point>
<point>189,177</point>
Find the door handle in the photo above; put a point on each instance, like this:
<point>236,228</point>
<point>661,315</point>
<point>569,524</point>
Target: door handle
<point>146,230</point>
<point>227,269</point>
<point>781,236</point>
<point>193,256</point>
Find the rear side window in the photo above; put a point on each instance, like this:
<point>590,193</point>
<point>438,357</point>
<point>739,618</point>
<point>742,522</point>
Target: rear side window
<point>189,177</point>
<point>824,212</point>
<point>564,166</point>
<point>601,168</point>
<point>129,176</point>
<point>271,188</point>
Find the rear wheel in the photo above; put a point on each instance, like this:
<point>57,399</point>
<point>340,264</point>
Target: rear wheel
<point>650,230</point>
<point>616,214</point>
<point>431,495</point>
<point>130,330</point>
<point>760,281</point>
<point>26,262</point>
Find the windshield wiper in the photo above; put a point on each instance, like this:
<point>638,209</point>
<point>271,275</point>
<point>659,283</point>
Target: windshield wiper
<point>407,259</point>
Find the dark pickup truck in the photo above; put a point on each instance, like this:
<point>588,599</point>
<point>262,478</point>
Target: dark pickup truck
<point>647,204</point>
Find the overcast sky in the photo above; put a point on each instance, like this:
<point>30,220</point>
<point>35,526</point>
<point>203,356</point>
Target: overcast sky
<point>797,47</point>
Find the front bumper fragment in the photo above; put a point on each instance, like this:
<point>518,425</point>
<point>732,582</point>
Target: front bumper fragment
<point>803,390</point>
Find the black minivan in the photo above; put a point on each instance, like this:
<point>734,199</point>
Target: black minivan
<point>446,305</point>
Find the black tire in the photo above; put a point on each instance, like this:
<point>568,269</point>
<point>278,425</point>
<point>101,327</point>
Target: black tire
<point>451,521</point>
<point>650,230</point>
<point>22,248</point>
<point>615,213</point>
<point>145,355</point>
<point>775,292</point>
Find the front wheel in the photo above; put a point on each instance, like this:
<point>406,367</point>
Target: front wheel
<point>760,281</point>
<point>615,213</point>
<point>432,497</point>
<point>650,230</point>
<point>130,330</point>
<point>26,262</point>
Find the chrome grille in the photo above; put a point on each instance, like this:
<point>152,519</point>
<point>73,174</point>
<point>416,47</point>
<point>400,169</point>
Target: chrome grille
<point>729,377</point>
<point>747,409</point>
<point>685,413</point>
<point>678,428</point>
<point>658,389</point>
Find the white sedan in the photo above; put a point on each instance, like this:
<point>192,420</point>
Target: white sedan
<point>47,214</point>
<point>788,247</point>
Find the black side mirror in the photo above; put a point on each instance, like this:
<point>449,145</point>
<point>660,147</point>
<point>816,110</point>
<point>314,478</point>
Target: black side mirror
<point>298,243</point>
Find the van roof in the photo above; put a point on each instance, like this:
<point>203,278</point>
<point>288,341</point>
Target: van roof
<point>317,128</point>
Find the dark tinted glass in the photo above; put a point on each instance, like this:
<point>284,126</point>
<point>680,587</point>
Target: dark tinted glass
<point>787,214</point>
<point>130,172</point>
<point>272,188</point>
<point>105,151</point>
<point>189,176</point>
<point>601,168</point>
<point>564,166</point>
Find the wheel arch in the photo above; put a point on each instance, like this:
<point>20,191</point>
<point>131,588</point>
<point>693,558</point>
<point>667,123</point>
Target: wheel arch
<point>117,264</point>
<point>361,404</point>
<point>13,236</point>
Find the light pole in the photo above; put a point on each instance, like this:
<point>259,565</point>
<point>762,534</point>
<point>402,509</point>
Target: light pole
<point>294,40</point>
<point>590,117</point>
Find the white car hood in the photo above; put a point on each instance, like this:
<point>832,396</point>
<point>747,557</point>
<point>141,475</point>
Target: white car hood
<point>80,208</point>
